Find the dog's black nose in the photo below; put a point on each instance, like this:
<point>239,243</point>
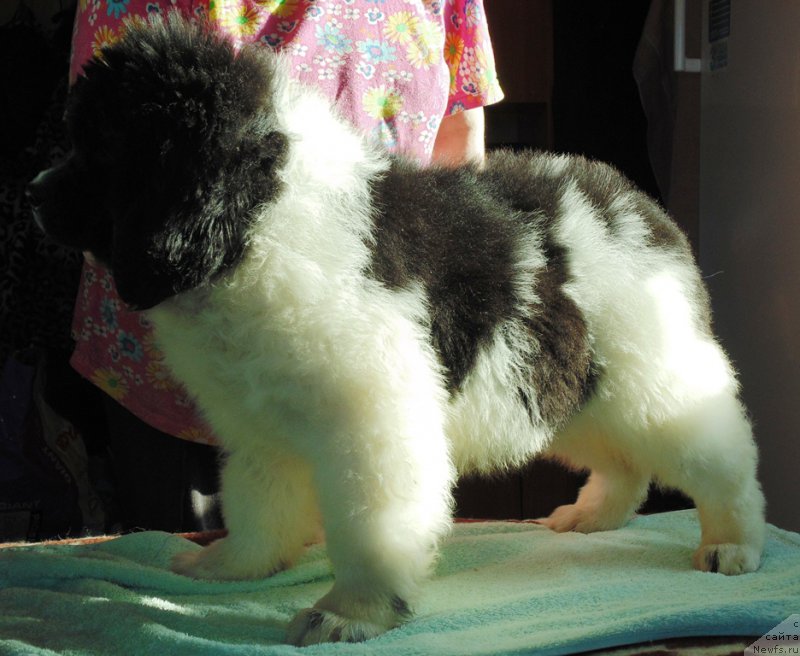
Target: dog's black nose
<point>36,208</point>
<point>30,194</point>
<point>34,192</point>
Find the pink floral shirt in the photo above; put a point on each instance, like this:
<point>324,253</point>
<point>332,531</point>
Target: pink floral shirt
<point>394,68</point>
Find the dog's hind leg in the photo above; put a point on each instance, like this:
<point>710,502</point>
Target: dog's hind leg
<point>709,454</point>
<point>616,487</point>
<point>270,512</point>
<point>705,450</point>
<point>607,501</point>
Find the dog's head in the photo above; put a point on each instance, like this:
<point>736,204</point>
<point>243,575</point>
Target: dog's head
<point>175,148</point>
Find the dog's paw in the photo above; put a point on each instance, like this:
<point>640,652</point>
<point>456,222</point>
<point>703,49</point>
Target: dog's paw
<point>575,517</point>
<point>312,626</point>
<point>338,617</point>
<point>221,561</point>
<point>727,558</point>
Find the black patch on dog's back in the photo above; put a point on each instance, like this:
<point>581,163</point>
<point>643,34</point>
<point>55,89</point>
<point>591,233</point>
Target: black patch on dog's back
<point>459,233</point>
<point>437,228</point>
<point>602,185</point>
<point>563,374</point>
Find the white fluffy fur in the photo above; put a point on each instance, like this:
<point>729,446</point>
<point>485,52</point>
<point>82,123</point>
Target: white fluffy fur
<point>329,398</point>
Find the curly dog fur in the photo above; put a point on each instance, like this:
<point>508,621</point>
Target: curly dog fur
<point>359,331</point>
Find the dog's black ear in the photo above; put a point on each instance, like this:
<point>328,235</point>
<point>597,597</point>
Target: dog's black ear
<point>189,128</point>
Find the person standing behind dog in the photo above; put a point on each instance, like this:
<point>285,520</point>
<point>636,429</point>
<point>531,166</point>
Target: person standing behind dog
<point>413,75</point>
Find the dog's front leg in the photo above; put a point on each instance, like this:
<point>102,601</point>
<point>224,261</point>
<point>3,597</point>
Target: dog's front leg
<point>385,504</point>
<point>270,512</point>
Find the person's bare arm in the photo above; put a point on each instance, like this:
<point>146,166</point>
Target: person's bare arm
<point>460,138</point>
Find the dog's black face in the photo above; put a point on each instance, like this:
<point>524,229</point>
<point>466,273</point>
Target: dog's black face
<point>174,149</point>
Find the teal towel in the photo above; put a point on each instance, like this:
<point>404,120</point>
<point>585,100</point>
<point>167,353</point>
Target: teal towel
<point>499,588</point>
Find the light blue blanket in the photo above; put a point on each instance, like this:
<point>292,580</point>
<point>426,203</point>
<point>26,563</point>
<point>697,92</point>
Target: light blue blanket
<point>500,588</point>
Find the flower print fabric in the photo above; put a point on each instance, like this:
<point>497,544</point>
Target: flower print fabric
<point>394,69</point>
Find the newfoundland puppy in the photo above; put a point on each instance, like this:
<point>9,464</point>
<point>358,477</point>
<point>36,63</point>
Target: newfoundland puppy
<point>360,331</point>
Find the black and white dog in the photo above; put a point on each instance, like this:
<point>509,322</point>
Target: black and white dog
<point>360,331</point>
